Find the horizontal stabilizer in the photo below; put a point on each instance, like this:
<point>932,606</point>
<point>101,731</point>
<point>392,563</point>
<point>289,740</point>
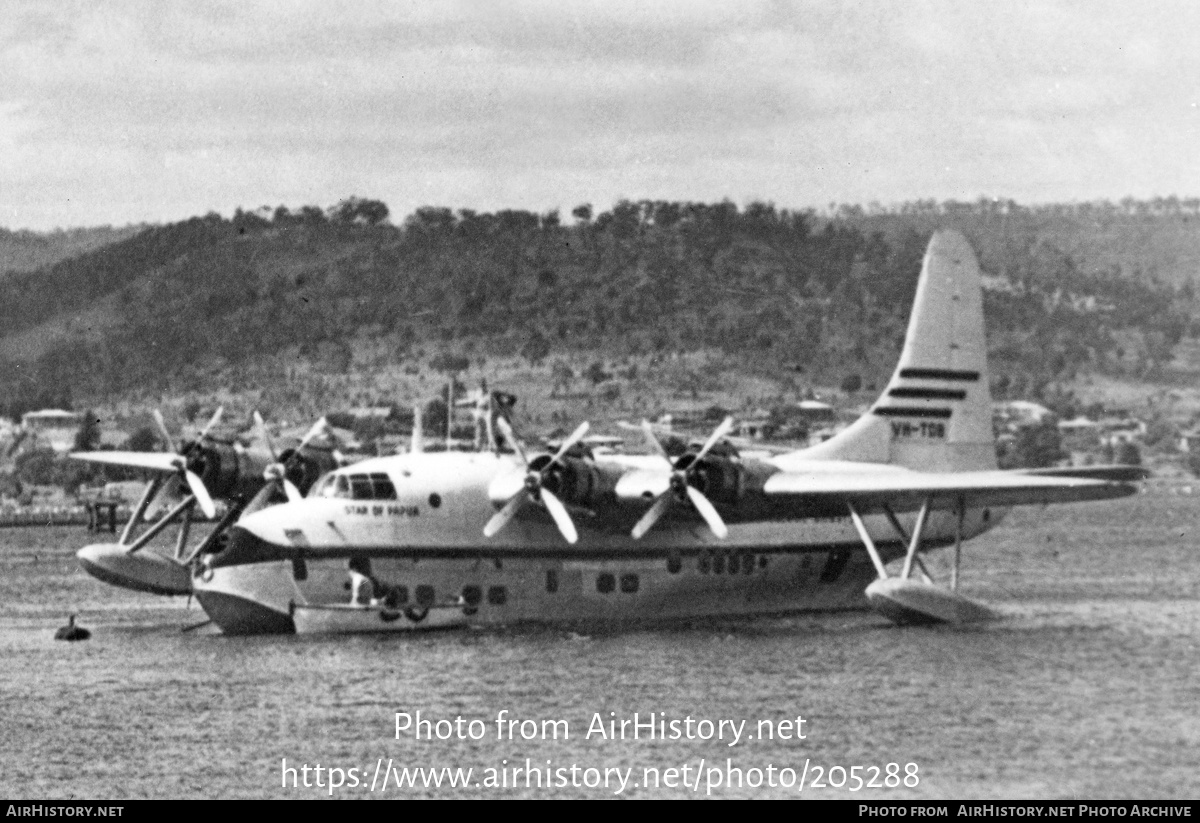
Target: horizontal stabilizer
<point>154,461</point>
<point>907,490</point>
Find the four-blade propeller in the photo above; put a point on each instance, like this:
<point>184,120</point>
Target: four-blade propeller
<point>531,488</point>
<point>175,460</point>
<point>681,490</point>
<point>276,473</point>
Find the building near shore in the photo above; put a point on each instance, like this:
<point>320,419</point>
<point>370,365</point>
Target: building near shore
<point>54,428</point>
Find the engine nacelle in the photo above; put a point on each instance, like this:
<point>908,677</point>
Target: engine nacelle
<point>305,467</point>
<point>224,470</point>
<point>725,480</point>
<point>576,481</point>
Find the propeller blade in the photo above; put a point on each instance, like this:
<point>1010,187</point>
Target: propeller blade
<point>162,429</point>
<point>561,519</point>
<point>155,461</point>
<point>501,518</point>
<point>260,500</point>
<point>202,496</point>
<point>707,512</point>
<point>168,496</point>
<point>651,517</point>
<point>652,441</point>
<point>261,427</point>
<point>293,493</point>
<point>512,439</point>
<point>721,431</point>
<point>216,418</point>
<point>575,437</point>
<point>317,430</point>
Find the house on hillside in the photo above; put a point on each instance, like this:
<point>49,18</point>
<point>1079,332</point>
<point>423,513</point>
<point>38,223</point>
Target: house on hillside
<point>53,428</point>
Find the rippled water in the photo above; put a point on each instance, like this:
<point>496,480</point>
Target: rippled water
<point>1087,688</point>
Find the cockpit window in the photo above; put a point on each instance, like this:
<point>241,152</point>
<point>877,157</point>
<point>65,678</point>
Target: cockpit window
<point>384,490</point>
<point>374,486</point>
<point>325,487</point>
<point>360,487</point>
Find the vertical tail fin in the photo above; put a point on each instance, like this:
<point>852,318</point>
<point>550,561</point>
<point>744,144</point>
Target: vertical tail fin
<point>936,413</point>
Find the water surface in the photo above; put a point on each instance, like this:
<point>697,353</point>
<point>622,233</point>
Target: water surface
<point>1088,687</point>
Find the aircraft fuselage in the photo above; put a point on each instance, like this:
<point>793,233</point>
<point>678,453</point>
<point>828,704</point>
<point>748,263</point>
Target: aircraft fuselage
<point>419,559</point>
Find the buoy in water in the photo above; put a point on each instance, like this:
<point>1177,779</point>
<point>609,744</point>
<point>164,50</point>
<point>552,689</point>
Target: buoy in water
<point>71,632</point>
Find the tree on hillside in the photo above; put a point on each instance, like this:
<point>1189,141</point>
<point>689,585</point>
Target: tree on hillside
<point>144,439</point>
<point>536,348</point>
<point>449,364</point>
<point>563,375</point>
<point>88,436</point>
<point>596,373</point>
<point>1036,446</point>
<point>1127,454</point>
<point>359,210</point>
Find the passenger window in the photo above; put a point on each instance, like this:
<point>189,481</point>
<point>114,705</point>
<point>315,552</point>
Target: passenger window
<point>497,595</point>
<point>605,583</point>
<point>397,596</point>
<point>425,596</point>
<point>834,566</point>
<point>552,580</point>
<point>734,563</point>
<point>629,583</point>
<point>472,595</point>
<point>719,564</point>
<point>674,565</point>
<point>703,563</point>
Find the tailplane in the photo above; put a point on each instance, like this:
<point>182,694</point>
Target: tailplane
<point>936,413</point>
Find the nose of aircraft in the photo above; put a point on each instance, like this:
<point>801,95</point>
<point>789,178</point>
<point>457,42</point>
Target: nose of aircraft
<point>244,546</point>
<point>142,571</point>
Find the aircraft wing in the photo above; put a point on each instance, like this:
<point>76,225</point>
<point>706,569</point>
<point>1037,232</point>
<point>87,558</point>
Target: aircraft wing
<point>1117,473</point>
<point>155,461</point>
<point>906,490</point>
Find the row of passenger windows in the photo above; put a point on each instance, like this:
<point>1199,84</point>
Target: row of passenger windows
<point>374,486</point>
<point>426,596</point>
<point>716,563</point>
<point>726,563</point>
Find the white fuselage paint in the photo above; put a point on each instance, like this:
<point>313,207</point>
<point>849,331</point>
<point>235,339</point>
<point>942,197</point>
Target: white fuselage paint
<point>440,570</point>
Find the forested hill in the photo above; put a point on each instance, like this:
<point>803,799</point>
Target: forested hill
<point>29,250</point>
<point>180,305</point>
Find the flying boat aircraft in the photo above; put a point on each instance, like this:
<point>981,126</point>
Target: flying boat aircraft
<point>501,536</point>
<point>207,467</point>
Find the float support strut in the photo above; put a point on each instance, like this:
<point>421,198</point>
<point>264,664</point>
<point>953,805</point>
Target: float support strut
<point>165,521</point>
<point>915,542</point>
<point>151,489</point>
<point>958,531</point>
<point>866,539</point>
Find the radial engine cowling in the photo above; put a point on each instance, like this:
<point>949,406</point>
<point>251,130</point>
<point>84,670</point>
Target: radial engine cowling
<point>724,480</point>
<point>222,468</point>
<point>304,467</point>
<point>575,481</point>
